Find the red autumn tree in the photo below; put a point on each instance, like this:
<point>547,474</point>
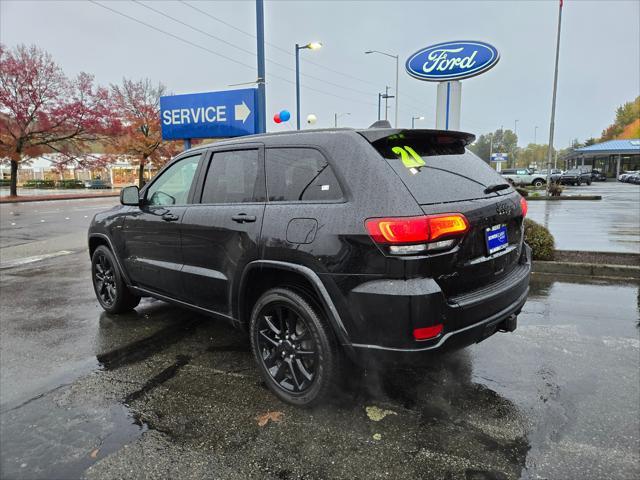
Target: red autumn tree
<point>137,107</point>
<point>41,110</point>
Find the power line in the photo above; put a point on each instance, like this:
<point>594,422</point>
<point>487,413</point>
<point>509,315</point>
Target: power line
<point>277,47</point>
<point>208,50</point>
<point>286,67</point>
<point>188,42</point>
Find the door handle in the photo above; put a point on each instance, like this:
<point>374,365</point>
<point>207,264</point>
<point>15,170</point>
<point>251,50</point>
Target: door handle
<point>243,218</point>
<point>170,217</point>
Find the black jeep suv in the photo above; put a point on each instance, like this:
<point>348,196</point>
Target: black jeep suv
<point>364,243</point>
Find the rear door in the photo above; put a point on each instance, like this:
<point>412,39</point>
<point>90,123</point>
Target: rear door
<point>221,231</point>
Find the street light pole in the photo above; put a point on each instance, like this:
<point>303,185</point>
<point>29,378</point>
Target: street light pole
<point>297,87</point>
<point>397,58</point>
<point>310,46</point>
<point>338,115</point>
<point>413,121</point>
<point>553,101</point>
<point>515,127</point>
<point>380,95</point>
<point>535,135</point>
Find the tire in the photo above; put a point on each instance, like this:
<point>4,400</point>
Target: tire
<point>283,325</point>
<point>108,283</point>
<point>538,182</point>
<point>588,182</point>
<point>579,182</point>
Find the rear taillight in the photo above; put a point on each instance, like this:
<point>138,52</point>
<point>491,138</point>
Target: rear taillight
<point>412,235</point>
<point>524,206</point>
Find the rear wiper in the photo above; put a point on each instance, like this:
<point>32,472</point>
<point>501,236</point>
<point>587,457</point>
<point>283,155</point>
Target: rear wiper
<point>496,187</point>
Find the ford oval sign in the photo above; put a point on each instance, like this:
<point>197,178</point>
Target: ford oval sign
<point>452,61</point>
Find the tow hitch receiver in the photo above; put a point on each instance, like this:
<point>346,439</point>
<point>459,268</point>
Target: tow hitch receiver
<point>510,324</point>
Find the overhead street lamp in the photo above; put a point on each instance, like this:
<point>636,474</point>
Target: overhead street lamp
<point>338,115</point>
<point>397,74</point>
<point>413,121</point>
<point>310,46</point>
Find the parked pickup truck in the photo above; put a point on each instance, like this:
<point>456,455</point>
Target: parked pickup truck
<point>524,176</point>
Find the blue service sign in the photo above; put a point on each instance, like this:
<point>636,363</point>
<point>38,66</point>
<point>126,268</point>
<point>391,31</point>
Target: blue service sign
<point>209,115</point>
<point>452,61</point>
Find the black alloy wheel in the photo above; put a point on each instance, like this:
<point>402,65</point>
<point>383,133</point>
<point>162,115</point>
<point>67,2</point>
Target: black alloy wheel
<point>111,290</point>
<point>104,280</point>
<point>295,350</point>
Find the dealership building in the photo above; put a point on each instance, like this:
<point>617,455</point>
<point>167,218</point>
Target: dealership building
<point>612,157</point>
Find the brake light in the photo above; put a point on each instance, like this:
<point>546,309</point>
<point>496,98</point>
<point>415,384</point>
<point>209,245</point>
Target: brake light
<point>424,229</point>
<point>425,333</point>
<point>524,206</point>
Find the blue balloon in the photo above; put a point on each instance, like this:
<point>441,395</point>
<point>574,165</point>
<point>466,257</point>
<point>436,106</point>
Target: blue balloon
<point>285,115</point>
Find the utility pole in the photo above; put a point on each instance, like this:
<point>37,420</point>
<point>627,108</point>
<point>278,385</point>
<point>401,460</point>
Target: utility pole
<point>380,95</point>
<point>262,93</point>
<point>386,100</point>
<point>553,101</point>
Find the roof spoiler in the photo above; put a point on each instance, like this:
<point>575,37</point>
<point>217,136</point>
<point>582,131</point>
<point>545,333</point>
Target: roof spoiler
<point>438,136</point>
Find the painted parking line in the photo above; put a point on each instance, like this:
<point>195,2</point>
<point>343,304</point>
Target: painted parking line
<point>37,258</point>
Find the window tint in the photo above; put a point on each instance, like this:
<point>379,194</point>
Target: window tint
<point>234,177</point>
<point>300,174</point>
<point>172,187</point>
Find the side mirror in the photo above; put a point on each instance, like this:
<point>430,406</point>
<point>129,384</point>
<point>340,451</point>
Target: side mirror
<point>130,196</point>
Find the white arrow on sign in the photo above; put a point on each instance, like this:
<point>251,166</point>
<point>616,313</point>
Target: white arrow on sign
<point>242,112</point>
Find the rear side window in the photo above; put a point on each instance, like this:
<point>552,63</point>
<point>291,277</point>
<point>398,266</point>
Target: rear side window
<point>437,168</point>
<point>300,175</point>
<point>234,177</point>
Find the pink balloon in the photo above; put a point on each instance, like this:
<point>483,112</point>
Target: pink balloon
<point>276,118</point>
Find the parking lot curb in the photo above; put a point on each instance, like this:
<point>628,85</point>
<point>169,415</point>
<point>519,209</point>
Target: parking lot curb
<point>587,269</point>
<point>572,197</point>
<point>45,198</point>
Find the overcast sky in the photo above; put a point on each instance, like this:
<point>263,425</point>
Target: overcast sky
<point>599,56</point>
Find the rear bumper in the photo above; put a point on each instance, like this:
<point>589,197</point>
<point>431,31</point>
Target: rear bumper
<point>393,309</point>
<point>503,321</point>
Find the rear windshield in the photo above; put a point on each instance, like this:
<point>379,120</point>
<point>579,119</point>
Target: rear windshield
<point>437,168</point>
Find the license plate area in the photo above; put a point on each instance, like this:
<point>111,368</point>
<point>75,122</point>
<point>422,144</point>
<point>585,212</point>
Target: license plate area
<point>496,238</point>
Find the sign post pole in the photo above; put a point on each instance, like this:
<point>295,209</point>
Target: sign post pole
<point>187,144</point>
<point>262,89</point>
<point>448,105</point>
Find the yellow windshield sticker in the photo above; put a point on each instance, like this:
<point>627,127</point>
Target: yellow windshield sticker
<point>409,157</point>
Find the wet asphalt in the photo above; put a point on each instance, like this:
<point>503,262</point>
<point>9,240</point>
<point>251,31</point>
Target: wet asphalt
<point>608,225</point>
<point>165,393</point>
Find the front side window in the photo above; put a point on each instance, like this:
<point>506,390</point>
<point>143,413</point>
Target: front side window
<point>299,175</point>
<point>234,177</point>
<point>173,185</point>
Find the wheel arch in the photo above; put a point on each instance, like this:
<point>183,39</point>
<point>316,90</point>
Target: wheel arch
<point>97,239</point>
<point>265,274</point>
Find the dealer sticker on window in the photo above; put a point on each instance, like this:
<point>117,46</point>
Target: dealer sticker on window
<point>496,238</point>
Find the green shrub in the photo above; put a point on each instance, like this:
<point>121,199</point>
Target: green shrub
<point>522,191</point>
<point>39,184</point>
<point>539,239</point>
<point>4,182</point>
<point>70,184</point>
